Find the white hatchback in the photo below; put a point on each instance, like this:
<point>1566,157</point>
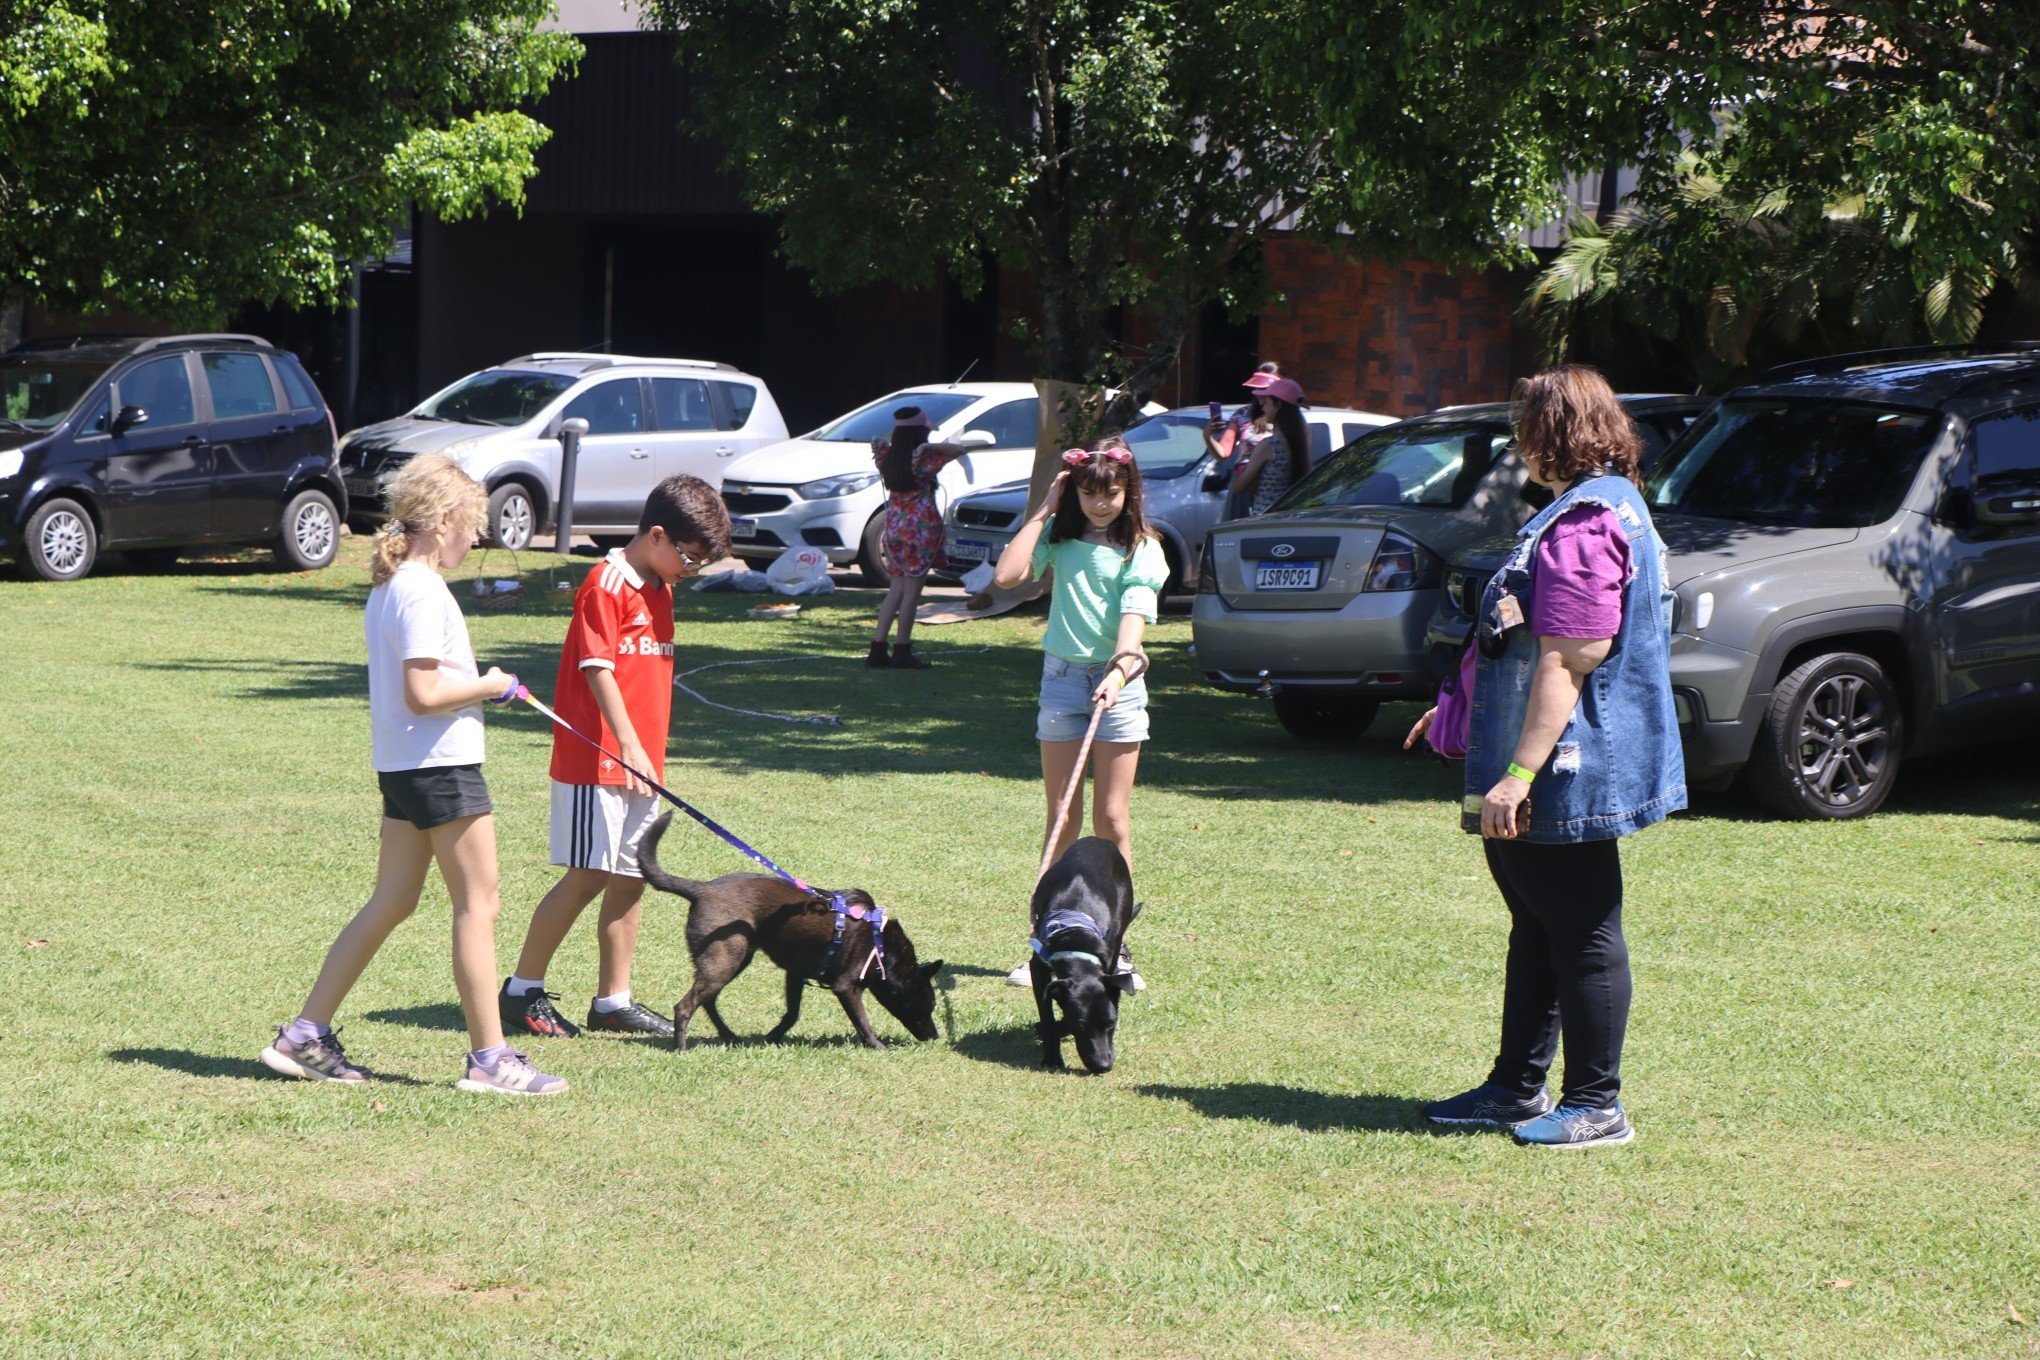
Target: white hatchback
<point>821,490</point>
<point>648,419</point>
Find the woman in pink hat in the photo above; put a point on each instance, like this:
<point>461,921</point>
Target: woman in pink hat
<point>1271,453</point>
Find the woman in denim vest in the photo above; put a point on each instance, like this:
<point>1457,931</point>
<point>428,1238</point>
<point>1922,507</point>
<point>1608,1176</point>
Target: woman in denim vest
<point>1571,743</point>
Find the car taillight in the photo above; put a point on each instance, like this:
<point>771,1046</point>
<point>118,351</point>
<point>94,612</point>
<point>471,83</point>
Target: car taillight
<point>1207,571</point>
<point>1401,563</point>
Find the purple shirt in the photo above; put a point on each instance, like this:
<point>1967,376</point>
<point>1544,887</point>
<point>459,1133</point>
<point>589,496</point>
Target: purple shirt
<point>1575,587</point>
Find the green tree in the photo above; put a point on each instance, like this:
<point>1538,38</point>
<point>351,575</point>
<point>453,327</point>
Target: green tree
<point>181,159</point>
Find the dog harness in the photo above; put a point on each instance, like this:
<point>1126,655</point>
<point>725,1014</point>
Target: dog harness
<point>845,912</point>
<point>1061,921</point>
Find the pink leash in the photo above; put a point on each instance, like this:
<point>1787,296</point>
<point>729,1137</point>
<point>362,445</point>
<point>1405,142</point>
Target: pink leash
<point>1062,809</point>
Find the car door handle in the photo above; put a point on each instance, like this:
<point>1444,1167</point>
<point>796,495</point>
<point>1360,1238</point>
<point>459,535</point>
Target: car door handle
<point>723,450</point>
<point>639,453</point>
<point>192,441</point>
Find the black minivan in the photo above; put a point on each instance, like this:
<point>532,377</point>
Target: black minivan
<point>151,446</point>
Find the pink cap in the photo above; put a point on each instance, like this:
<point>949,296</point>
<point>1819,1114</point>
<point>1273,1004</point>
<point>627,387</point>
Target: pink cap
<point>1285,388</point>
<point>1258,380</point>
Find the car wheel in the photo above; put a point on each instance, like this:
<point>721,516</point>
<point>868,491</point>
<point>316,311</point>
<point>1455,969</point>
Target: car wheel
<point>513,518</point>
<point>152,559</point>
<point>871,553</point>
<point>1829,746</point>
<point>1311,718</point>
<point>310,535</point>
<point>59,543</point>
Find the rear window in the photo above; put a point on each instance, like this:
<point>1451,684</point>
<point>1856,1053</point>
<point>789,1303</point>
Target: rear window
<point>867,423</point>
<point>1812,464</point>
<point>495,398</point>
<point>303,396</point>
<point>1414,463</point>
<point>742,399</point>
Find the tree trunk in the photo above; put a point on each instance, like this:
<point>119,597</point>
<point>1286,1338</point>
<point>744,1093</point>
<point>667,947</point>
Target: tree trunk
<point>13,316</point>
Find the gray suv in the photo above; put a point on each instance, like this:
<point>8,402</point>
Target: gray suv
<point>1855,545</point>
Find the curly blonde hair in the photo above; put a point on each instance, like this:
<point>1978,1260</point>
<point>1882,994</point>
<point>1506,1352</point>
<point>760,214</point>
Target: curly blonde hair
<point>430,486</point>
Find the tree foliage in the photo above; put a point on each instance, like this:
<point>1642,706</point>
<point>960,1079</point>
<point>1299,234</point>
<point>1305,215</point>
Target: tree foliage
<point>182,158</point>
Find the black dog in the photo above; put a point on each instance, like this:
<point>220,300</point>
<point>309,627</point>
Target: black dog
<point>1082,909</point>
<point>732,917</point>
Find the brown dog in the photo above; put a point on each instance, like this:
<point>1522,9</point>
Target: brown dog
<point>732,917</point>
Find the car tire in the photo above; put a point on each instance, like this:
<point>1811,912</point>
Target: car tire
<point>1831,740</point>
<point>1309,717</point>
<point>59,542</point>
<point>152,559</point>
<point>513,517</point>
<point>309,537</point>
<point>871,553</point>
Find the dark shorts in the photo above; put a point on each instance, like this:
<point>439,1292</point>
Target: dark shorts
<point>434,796</point>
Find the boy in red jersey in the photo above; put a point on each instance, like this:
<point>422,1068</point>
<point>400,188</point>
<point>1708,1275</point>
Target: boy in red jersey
<point>615,684</point>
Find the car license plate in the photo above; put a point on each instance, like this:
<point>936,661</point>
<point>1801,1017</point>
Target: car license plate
<point>743,528</point>
<point>366,487</point>
<point>969,550</point>
<point>1286,576</point>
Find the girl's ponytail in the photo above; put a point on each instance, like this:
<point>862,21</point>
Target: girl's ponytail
<point>896,465</point>
<point>430,486</point>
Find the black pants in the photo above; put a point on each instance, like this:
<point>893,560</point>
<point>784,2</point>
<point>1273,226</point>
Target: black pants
<point>1568,968</point>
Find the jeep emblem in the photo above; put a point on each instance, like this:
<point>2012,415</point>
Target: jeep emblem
<point>1282,550</point>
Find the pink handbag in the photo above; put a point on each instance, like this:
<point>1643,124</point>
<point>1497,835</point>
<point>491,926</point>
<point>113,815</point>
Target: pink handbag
<point>1452,724</point>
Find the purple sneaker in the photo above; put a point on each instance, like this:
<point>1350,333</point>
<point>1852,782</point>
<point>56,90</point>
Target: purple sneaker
<point>513,1075</point>
<point>319,1059</point>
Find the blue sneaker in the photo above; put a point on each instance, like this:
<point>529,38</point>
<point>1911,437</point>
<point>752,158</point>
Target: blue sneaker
<point>1488,1106</point>
<point>1577,1126</point>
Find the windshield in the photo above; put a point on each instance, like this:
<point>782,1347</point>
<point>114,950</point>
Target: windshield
<point>495,398</point>
<point>1432,462</point>
<point>37,391</point>
<point>867,423</point>
<point>1168,443</point>
<point>1817,464</point>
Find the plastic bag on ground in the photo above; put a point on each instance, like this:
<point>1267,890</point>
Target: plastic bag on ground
<point>800,571</point>
<point>978,578</point>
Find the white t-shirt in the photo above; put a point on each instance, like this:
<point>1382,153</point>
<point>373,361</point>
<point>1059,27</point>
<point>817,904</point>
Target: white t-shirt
<point>410,617</point>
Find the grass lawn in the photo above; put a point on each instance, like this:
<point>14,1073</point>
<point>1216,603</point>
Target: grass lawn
<point>1833,1062</point>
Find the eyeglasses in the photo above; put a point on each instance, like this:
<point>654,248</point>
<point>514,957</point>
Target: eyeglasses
<point>688,566</point>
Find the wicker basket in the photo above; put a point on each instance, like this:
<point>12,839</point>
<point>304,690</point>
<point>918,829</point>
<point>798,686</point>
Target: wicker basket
<point>501,593</point>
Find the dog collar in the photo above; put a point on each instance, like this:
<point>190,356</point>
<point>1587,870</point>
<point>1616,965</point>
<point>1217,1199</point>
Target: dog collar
<point>1049,957</point>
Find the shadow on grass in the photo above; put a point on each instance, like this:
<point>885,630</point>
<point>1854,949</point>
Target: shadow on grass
<point>213,1065</point>
<point>1314,1111</point>
<point>442,1015</point>
<point>1011,1045</point>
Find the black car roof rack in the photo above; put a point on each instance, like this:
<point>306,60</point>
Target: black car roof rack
<point>1803,367</point>
<point>211,338</point>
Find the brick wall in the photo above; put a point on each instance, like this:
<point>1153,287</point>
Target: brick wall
<point>1400,339</point>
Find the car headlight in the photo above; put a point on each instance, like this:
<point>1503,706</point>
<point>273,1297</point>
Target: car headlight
<point>11,461</point>
<point>843,484</point>
<point>460,448</point>
<point>1402,563</point>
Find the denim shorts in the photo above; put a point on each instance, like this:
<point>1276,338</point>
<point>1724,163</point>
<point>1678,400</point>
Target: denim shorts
<point>1066,688</point>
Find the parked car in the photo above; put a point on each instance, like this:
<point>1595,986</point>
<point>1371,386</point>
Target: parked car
<point>1855,546</point>
<point>150,446</point>
<point>1169,447</point>
<point>648,419</point>
<point>821,490</point>
<point>1322,603</point>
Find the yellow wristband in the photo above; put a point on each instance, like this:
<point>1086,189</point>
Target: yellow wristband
<point>1527,776</point>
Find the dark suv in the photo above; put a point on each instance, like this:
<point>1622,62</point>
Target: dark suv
<point>1855,546</point>
<point>151,446</point>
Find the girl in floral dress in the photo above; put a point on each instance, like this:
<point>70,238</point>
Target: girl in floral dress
<point>913,529</point>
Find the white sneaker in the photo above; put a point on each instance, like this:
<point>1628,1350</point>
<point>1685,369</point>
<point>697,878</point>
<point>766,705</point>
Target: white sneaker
<point>513,1075</point>
<point>1134,981</point>
<point>1023,976</point>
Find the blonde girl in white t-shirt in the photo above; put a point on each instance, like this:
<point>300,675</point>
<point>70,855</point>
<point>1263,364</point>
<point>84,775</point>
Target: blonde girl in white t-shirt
<point>426,722</point>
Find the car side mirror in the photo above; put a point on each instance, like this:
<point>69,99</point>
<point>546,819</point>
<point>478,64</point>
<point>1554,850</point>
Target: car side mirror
<point>129,417</point>
<point>2018,506</point>
<point>975,439</point>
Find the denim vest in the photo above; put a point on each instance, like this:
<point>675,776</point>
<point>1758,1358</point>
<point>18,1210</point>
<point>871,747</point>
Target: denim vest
<point>1617,767</point>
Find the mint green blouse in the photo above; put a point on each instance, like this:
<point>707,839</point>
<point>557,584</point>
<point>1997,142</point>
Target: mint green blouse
<point>1096,583</point>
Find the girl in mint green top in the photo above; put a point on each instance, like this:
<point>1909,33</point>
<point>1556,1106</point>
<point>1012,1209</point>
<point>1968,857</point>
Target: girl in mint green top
<point>1090,536</point>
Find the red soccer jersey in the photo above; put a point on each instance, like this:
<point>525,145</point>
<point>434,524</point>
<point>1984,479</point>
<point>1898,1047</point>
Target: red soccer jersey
<point>622,623</point>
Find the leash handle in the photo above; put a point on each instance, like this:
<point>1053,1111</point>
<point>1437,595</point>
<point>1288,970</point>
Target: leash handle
<point>710,823</point>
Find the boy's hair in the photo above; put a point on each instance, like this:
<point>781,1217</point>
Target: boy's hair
<point>1099,474</point>
<point>689,508</point>
<point>429,485</point>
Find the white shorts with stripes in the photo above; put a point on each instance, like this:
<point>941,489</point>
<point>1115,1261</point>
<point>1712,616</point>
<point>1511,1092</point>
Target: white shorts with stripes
<point>600,826</point>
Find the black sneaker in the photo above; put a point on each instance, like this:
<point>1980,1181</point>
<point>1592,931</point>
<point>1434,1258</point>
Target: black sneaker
<point>632,1019</point>
<point>1488,1106</point>
<point>533,1013</point>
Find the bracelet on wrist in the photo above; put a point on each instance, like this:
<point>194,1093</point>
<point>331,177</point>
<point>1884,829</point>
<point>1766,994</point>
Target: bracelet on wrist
<point>1527,776</point>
